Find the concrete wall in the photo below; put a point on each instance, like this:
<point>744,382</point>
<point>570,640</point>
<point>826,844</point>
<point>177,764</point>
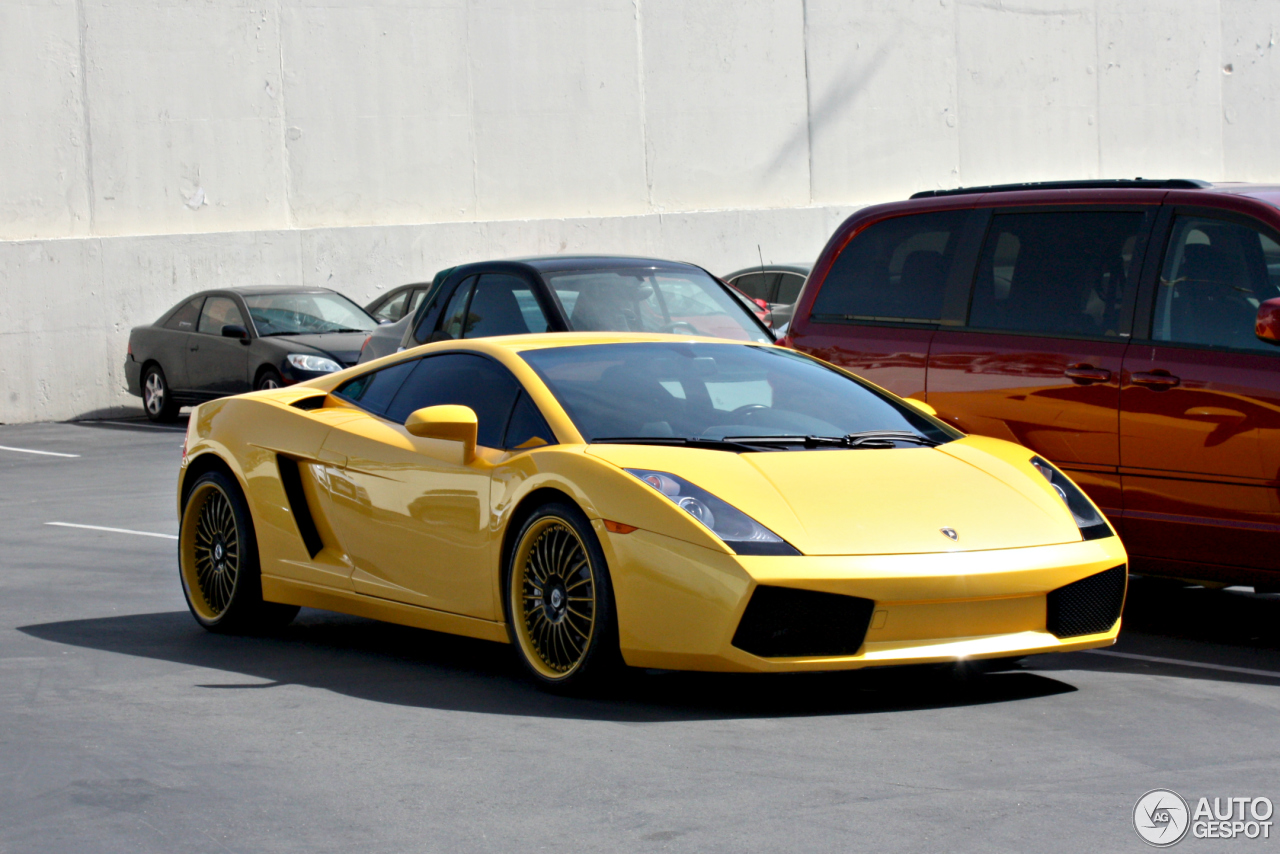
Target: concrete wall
<point>154,147</point>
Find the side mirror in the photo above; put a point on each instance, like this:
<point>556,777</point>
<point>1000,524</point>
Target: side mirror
<point>1267,327</point>
<point>922,406</point>
<point>448,423</point>
<point>233,330</point>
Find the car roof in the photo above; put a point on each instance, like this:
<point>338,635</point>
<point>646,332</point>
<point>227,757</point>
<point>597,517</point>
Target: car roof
<point>791,267</point>
<point>1266,192</point>
<point>565,263</point>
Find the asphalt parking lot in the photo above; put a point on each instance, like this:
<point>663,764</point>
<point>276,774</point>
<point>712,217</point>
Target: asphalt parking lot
<point>128,728</point>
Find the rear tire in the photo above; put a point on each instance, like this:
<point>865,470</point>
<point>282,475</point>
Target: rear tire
<point>218,561</point>
<point>559,602</point>
<point>157,398</point>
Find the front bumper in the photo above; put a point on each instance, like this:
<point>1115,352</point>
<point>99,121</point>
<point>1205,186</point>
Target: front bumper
<point>679,605</point>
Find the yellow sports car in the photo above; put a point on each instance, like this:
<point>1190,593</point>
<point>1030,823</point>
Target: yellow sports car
<point>660,500</point>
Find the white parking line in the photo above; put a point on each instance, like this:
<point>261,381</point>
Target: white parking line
<point>31,451</point>
<point>1226,668</point>
<point>141,425</point>
<point>112,530</point>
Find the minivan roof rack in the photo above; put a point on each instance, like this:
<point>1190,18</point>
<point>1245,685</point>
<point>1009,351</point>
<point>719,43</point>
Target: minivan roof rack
<point>1086,184</point>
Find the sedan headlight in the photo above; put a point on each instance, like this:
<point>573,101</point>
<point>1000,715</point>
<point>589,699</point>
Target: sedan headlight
<point>739,531</point>
<point>315,364</point>
<point>1088,519</point>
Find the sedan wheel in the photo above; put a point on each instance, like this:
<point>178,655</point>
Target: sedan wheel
<point>268,379</point>
<point>560,601</point>
<point>156,398</point>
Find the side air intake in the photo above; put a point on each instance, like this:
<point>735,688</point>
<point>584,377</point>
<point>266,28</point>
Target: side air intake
<point>1088,606</point>
<point>783,622</point>
<point>291,479</point>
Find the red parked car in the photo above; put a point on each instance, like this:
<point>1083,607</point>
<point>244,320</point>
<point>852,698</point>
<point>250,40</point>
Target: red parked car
<point>1125,330</point>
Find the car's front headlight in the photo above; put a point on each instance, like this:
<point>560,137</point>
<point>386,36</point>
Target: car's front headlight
<point>739,531</point>
<point>315,364</point>
<point>1088,519</point>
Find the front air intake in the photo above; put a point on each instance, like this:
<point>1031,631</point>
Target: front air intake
<point>1088,606</point>
<point>783,622</point>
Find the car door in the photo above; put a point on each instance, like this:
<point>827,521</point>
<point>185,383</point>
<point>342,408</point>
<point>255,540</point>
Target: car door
<point>215,365</point>
<point>877,308</point>
<point>172,340</point>
<point>1200,406</point>
<point>417,527</point>
<point>1038,361</point>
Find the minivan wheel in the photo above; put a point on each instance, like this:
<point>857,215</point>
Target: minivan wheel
<point>157,399</point>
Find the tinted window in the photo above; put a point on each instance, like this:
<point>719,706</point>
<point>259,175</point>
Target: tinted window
<point>789,285</point>
<point>392,309</point>
<point>217,313</point>
<point>756,285</point>
<point>895,270</point>
<point>1215,275</point>
<point>503,305</point>
<point>710,391</point>
<point>426,323</point>
<point>374,390</point>
<point>528,429</point>
<point>184,319</point>
<point>1057,273</point>
<point>455,312</point>
<point>463,380</point>
<point>647,299</point>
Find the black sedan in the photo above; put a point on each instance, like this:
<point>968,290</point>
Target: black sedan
<point>583,293</point>
<point>237,339</point>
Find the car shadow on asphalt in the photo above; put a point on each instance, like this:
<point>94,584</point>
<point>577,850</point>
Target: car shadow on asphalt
<point>385,663</point>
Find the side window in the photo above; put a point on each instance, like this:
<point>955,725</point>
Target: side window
<point>426,323</point>
<point>789,285</point>
<point>374,390</point>
<point>455,312</point>
<point>756,285</point>
<point>464,380</point>
<point>392,309</point>
<point>895,270</point>
<point>217,313</point>
<point>415,301</point>
<point>1058,273</point>
<point>527,429</point>
<point>1215,275</point>
<point>185,318</point>
<point>503,305</point>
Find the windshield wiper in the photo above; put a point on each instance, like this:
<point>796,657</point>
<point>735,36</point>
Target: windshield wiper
<point>807,441</point>
<point>676,441</point>
<point>868,437</point>
<point>864,439</point>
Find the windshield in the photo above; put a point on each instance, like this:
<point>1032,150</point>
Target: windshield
<point>306,314</point>
<point>686,302</point>
<point>715,392</point>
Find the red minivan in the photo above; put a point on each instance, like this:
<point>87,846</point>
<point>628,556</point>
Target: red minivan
<point>1125,330</point>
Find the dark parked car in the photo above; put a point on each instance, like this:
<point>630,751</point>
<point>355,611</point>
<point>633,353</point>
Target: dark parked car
<point>775,287</point>
<point>1125,330</point>
<point>582,294</point>
<point>237,339</point>
<point>398,302</point>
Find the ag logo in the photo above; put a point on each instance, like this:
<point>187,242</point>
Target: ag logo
<point>1161,818</point>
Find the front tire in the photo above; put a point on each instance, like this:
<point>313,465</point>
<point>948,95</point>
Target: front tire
<point>157,398</point>
<point>268,379</point>
<point>560,606</point>
<point>218,560</point>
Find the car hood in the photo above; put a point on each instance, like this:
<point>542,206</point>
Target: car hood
<point>864,502</point>
<point>342,346</point>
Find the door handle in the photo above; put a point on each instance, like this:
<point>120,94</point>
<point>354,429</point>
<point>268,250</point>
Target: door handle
<point>1155,380</point>
<point>194,347</point>
<point>1085,374</point>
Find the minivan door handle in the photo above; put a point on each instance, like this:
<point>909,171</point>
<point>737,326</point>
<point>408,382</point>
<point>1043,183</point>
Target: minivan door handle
<point>1086,374</point>
<point>1155,380</point>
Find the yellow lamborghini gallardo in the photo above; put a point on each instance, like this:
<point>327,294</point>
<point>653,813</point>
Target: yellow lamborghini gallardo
<point>661,501</point>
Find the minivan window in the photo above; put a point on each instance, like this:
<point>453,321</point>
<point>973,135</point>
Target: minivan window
<point>503,305</point>
<point>1215,275</point>
<point>895,270</point>
<point>454,321</point>
<point>1060,273</point>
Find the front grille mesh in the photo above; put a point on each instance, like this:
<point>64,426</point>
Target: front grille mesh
<point>1088,606</point>
<point>783,622</point>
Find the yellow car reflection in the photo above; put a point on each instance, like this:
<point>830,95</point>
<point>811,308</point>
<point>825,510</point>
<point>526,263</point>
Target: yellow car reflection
<point>659,501</point>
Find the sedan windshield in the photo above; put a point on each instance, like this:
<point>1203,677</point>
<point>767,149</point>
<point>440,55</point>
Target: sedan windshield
<point>685,302</point>
<point>723,395</point>
<point>307,314</point>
